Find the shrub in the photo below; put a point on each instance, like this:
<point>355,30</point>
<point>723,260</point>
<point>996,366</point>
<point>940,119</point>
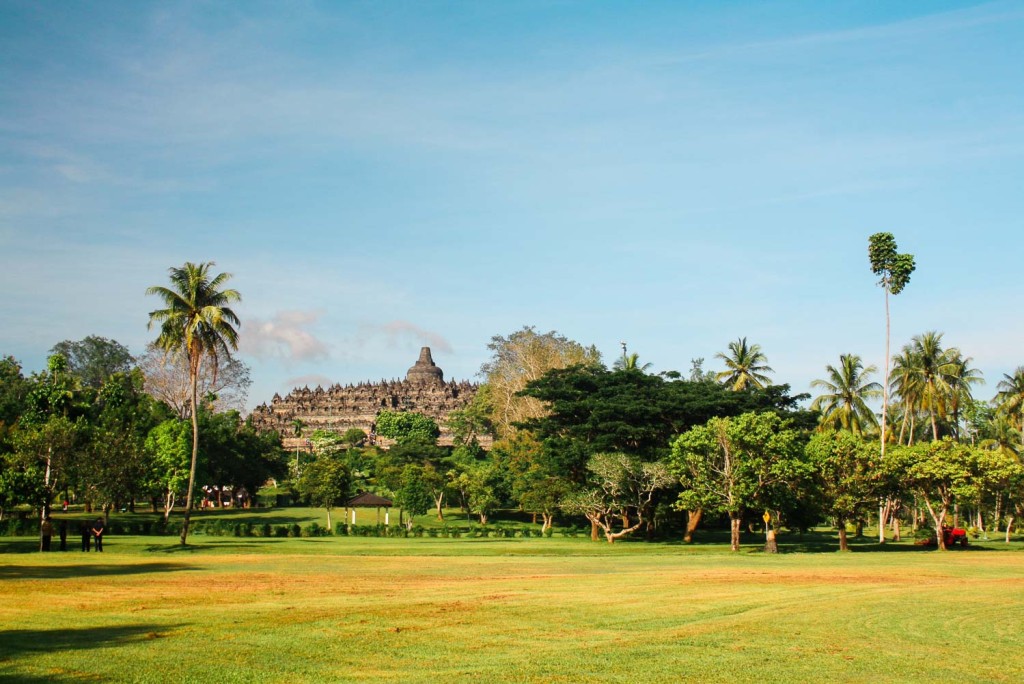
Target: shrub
<point>548,532</point>
<point>295,530</point>
<point>313,530</point>
<point>280,530</point>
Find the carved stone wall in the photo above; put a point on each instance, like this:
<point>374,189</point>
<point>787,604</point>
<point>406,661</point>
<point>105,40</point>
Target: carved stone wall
<point>340,408</point>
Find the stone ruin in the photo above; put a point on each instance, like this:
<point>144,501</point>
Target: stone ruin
<point>339,408</point>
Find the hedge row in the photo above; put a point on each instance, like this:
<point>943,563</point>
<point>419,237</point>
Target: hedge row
<point>16,527</point>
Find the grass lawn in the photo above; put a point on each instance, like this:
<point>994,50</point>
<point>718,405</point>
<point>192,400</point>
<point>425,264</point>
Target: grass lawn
<point>509,610</point>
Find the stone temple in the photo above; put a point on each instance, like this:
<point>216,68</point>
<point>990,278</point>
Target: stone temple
<point>338,408</point>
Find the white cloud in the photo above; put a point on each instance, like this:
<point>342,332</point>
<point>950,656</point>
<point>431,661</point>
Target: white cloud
<point>403,332</point>
<point>285,336</point>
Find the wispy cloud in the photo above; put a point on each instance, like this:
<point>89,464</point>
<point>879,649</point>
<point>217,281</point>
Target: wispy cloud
<point>284,336</point>
<point>310,380</point>
<point>396,333</point>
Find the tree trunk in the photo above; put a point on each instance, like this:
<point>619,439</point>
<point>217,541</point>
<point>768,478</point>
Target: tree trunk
<point>593,530</point>
<point>330,527</point>
<point>194,379</point>
<point>483,518</point>
<point>439,501</point>
<point>548,519</point>
<point>771,545</point>
<point>885,385</point>
<point>843,544</point>
<point>692,520</point>
<point>734,532</point>
<point>1009,526</point>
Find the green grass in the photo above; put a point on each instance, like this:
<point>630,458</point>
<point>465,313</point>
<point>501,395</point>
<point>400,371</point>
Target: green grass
<point>509,610</point>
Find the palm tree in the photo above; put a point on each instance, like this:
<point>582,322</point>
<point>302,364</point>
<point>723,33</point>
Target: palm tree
<point>631,362</point>
<point>960,379</point>
<point>1010,399</point>
<point>903,383</point>
<point>746,366</point>
<point>933,368</point>
<point>197,321</point>
<point>846,391</point>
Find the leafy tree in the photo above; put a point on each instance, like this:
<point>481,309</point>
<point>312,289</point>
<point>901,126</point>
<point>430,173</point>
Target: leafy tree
<point>94,359</point>
<point>412,493</point>
<point>198,323</point>
<point>624,487</point>
<point>893,270</point>
<point>403,426</point>
<point>842,464</point>
<point>14,390</point>
<point>732,465</point>
<point>746,366</point>
<point>519,358</point>
<point>169,446</point>
<point>939,473</point>
<point>844,405</point>
<point>326,482</point>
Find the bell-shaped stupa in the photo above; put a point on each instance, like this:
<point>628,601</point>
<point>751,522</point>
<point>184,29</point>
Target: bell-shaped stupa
<point>425,371</point>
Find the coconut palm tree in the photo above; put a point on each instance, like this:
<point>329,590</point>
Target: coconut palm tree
<point>745,366</point>
<point>933,367</point>
<point>631,362</point>
<point>198,321</point>
<point>905,384</point>
<point>1010,399</point>
<point>847,389</point>
<point>960,379</point>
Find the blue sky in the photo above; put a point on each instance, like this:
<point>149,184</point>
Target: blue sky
<point>382,176</point>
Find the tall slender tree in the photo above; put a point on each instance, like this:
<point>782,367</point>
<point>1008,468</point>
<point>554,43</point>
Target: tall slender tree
<point>197,320</point>
<point>746,366</point>
<point>847,390</point>
<point>894,271</point>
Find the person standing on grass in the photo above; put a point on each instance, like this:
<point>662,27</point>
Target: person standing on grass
<point>47,533</point>
<point>63,527</point>
<point>97,531</point>
<point>86,536</point>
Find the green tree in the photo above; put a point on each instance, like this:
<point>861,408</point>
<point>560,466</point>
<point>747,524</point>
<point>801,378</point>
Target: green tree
<point>732,465</point>
<point>621,495</point>
<point>94,359</point>
<point>847,389</point>
<point>326,482</point>
<point>842,464</point>
<point>746,366</point>
<point>939,474</point>
<point>412,493</point>
<point>893,270</point>
<point>198,322</point>
<point>169,447</point>
<point>403,426</point>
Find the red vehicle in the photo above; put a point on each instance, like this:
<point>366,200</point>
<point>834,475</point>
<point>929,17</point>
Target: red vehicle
<point>950,536</point>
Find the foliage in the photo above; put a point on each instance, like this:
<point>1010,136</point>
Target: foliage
<point>893,269</point>
<point>843,468</point>
<point>624,487</point>
<point>844,405</point>
<point>745,366</point>
<point>94,359</point>
<point>518,359</point>
<point>731,465</point>
<point>404,426</point>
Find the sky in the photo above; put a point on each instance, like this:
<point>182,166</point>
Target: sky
<point>379,177</point>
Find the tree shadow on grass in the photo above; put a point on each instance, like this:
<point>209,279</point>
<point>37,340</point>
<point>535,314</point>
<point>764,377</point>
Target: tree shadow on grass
<point>76,571</point>
<point>19,642</point>
<point>212,546</point>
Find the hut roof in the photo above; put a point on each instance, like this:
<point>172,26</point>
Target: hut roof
<point>368,500</point>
